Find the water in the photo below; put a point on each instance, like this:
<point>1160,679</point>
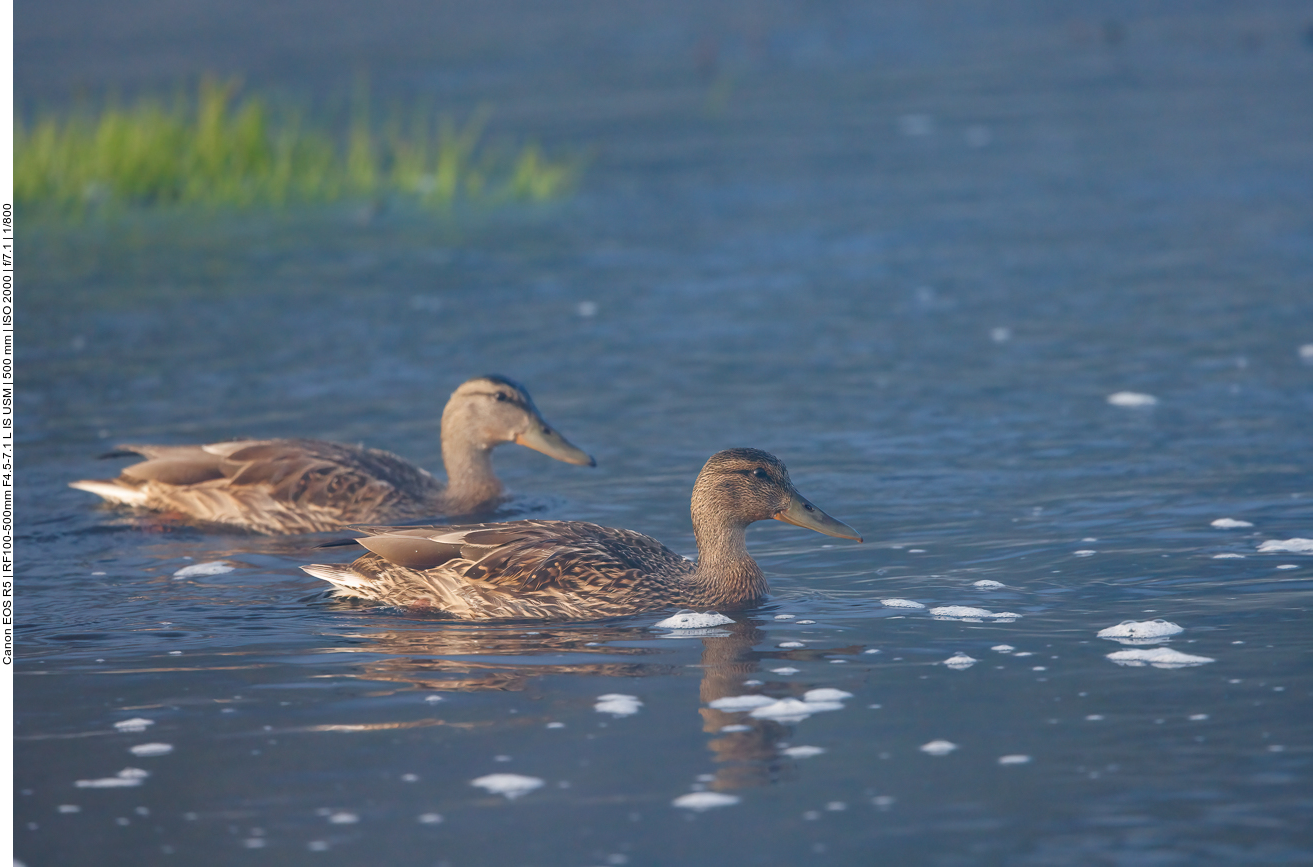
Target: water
<point>914,263</point>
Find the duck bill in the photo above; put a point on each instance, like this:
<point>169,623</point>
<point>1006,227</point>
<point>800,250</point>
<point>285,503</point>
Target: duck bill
<point>543,438</point>
<point>801,513</point>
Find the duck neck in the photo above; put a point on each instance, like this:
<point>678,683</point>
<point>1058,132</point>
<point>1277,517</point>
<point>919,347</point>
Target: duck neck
<point>470,478</point>
<point>726,574</point>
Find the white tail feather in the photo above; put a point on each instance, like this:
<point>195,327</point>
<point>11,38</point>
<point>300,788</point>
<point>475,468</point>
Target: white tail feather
<point>112,491</point>
<point>338,576</point>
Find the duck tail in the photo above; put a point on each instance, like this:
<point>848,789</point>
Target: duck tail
<point>112,491</point>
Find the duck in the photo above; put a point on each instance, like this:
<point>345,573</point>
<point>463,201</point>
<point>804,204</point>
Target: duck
<point>281,486</point>
<point>575,570</point>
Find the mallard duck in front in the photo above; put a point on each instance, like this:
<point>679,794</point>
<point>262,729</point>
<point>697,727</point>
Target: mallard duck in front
<point>304,486</point>
<point>571,570</point>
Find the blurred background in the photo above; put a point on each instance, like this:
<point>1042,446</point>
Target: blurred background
<point>1019,290</point>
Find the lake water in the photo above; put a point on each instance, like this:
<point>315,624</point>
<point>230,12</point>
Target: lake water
<point>911,255</point>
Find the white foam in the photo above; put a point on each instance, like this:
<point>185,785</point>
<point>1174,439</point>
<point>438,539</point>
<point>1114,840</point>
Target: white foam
<point>429,818</point>
<point>126,778</point>
<point>199,570</point>
<point>1003,648</point>
<point>69,808</point>
<point>136,724</point>
<point>1288,566</point>
<point>938,748</point>
<point>1014,760</point>
<point>960,661</point>
<point>1159,657</point>
<point>700,801</point>
<point>735,703</point>
<point>509,785</point>
<point>617,704</point>
<point>1229,524</point>
<point>986,584</point>
<point>786,670</point>
<point>735,728</point>
<point>694,620</point>
<point>965,612</point>
<point>802,752</point>
<point>1086,552</point>
<point>790,710</point>
<point>785,616</point>
<point>825,693</point>
<point>1141,632</point>
<point>344,817</point>
<point>1289,546</point>
<point>1228,556</point>
<point>900,603</point>
<point>792,644</point>
<point>1132,399</point>
<point>151,749</point>
<point>806,622</point>
<point>1306,352</point>
<point>556,725</point>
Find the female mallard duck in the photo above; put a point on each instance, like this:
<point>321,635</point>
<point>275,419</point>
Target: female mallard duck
<point>570,570</point>
<point>304,486</point>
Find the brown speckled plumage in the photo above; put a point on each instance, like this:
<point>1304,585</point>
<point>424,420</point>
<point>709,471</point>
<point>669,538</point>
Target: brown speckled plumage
<point>302,486</point>
<point>572,570</point>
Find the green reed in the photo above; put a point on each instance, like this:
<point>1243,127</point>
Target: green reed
<point>220,149</point>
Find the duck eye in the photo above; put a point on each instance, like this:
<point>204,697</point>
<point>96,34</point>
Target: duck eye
<point>501,397</point>
<point>760,473</point>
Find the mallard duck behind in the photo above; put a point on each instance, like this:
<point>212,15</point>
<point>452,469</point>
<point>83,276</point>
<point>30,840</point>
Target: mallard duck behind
<point>303,486</point>
<point>572,570</point>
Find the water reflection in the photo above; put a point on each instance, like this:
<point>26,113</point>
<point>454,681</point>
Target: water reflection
<point>461,658</point>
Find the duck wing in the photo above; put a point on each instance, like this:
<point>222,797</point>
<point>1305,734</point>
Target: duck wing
<point>283,485</point>
<point>530,557</point>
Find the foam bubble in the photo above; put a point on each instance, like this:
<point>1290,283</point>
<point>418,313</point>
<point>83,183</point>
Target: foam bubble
<point>344,817</point>
<point>1141,632</point>
<point>617,704</point>
<point>735,703</point>
<point>826,694</point>
<point>126,778</point>
<point>556,725</point>
<point>136,724</point>
<point>965,612</point>
<point>429,818</point>
<point>802,752</point>
<point>1086,552</point>
<point>151,749</point>
<point>1229,523</point>
<point>900,603</point>
<point>1014,760</point>
<point>1288,566</point>
<point>1159,657</point>
<point>1289,546</point>
<point>1132,399</point>
<point>790,710</point>
<point>960,661</point>
<point>1306,352</point>
<point>792,644</point>
<point>1003,648</point>
<point>509,785</point>
<point>694,620</point>
<point>735,728</point>
<point>785,616</point>
<point>1228,556</point>
<point>699,801</point>
<point>938,748</point>
<point>785,670</point>
<point>199,570</point>
<point>69,808</point>
<point>986,584</point>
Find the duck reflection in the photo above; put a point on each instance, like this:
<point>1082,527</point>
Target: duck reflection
<point>463,658</point>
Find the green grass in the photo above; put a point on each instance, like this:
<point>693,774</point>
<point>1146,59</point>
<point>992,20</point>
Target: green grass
<point>222,150</point>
